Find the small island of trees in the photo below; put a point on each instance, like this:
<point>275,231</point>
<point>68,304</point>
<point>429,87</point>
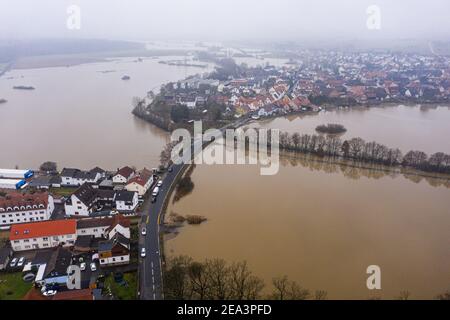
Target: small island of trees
<point>331,128</point>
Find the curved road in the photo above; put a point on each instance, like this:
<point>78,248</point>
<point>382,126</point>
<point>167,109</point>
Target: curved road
<point>150,267</point>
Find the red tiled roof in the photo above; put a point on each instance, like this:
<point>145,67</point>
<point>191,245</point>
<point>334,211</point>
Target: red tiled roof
<point>17,199</point>
<point>42,229</point>
<point>142,178</point>
<point>125,172</point>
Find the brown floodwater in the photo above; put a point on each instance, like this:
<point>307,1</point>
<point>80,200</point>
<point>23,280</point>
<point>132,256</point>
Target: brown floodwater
<point>80,116</point>
<point>425,128</point>
<point>323,224</point>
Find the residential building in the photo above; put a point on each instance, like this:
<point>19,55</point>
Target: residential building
<point>16,207</point>
<point>76,177</point>
<point>141,182</point>
<point>123,175</point>
<point>115,251</point>
<point>126,201</point>
<point>82,202</point>
<point>41,235</point>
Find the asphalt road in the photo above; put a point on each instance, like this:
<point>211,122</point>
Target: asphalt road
<point>150,268</point>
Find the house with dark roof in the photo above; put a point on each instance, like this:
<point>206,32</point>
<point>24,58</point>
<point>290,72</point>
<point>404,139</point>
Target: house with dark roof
<point>82,202</point>
<point>54,270</point>
<point>76,177</point>
<point>115,251</point>
<point>86,200</point>
<point>126,201</point>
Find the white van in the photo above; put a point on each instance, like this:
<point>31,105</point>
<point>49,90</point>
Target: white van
<point>155,191</point>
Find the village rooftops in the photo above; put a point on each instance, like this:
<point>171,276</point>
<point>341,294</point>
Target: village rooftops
<point>42,229</point>
<point>15,201</point>
<point>103,222</point>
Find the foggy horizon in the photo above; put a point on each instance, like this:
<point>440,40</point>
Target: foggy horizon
<point>203,20</point>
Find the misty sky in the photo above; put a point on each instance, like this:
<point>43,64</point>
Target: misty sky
<point>225,19</point>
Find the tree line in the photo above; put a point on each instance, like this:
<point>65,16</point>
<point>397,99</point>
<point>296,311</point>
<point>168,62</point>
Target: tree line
<point>360,150</point>
<point>215,279</point>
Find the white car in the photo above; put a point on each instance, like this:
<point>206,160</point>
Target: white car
<point>13,262</point>
<point>143,252</point>
<point>83,266</point>
<point>93,266</point>
<point>21,262</point>
<point>159,184</point>
<point>144,231</point>
<point>49,293</point>
<point>155,191</point>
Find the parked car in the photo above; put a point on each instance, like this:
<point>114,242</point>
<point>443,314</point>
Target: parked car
<point>143,252</point>
<point>13,262</point>
<point>170,169</point>
<point>144,231</point>
<point>159,184</point>
<point>93,266</point>
<point>49,293</point>
<point>153,199</point>
<point>155,192</point>
<point>21,262</point>
<point>83,266</point>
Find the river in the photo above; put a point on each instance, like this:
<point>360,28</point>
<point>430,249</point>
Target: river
<point>80,116</point>
<point>321,224</point>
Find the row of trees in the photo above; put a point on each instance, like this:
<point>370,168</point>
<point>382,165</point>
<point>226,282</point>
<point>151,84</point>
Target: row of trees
<point>215,279</point>
<point>360,150</point>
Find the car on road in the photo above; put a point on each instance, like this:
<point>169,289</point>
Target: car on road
<point>13,262</point>
<point>159,184</point>
<point>93,266</point>
<point>21,262</point>
<point>83,266</point>
<point>144,231</point>
<point>155,192</point>
<point>49,293</point>
<point>143,252</point>
<point>170,169</point>
<point>153,199</point>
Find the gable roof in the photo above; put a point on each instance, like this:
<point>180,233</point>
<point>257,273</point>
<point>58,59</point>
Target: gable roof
<point>125,172</point>
<point>86,194</point>
<point>42,229</point>
<point>141,179</point>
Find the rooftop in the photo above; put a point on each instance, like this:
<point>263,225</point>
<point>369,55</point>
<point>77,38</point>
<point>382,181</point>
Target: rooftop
<point>42,229</point>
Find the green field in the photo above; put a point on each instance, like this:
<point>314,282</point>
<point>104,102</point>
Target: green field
<point>64,191</point>
<point>120,292</point>
<point>12,287</point>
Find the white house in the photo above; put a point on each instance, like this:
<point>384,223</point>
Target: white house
<point>115,251</point>
<point>82,202</point>
<point>140,183</point>
<point>105,227</point>
<point>123,175</point>
<point>43,235</point>
<point>76,177</point>
<point>126,201</point>
<point>16,207</point>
